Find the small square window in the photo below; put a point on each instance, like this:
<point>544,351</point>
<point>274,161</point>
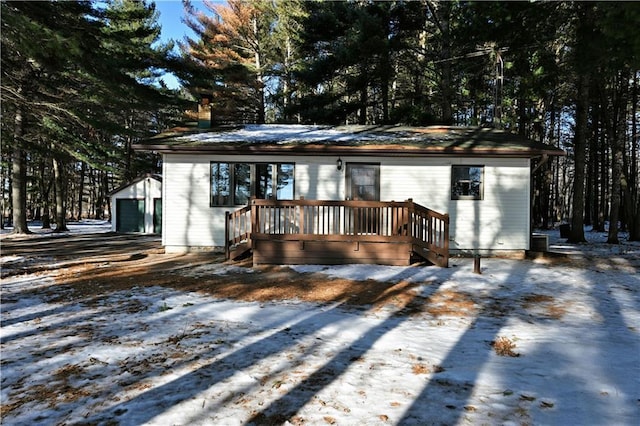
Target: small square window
<point>467,182</point>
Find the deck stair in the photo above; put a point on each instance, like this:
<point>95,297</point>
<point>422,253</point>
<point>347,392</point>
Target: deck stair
<point>238,233</point>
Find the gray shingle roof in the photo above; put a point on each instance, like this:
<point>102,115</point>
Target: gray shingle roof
<point>355,140</point>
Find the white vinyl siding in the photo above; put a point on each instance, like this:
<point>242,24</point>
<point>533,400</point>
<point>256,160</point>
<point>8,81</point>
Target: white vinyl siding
<point>189,220</point>
<point>498,222</point>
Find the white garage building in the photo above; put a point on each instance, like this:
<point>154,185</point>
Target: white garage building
<point>137,205</point>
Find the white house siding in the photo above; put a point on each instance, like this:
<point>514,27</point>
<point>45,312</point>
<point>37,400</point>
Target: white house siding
<point>189,222</point>
<point>498,222</point>
<point>146,189</point>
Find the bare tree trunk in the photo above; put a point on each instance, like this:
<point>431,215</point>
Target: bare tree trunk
<point>441,13</point>
<point>46,190</point>
<point>260,119</point>
<point>594,160</point>
<point>105,191</point>
<point>286,82</point>
<point>632,194</point>
<point>4,183</point>
<point>364,95</point>
<point>547,212</point>
<point>83,168</point>
<point>19,178</point>
<point>522,112</point>
<point>591,189</point>
<point>128,174</point>
<point>604,183</point>
<point>579,146</point>
<point>618,126</point>
<point>384,84</point>
<point>46,210</point>
<point>61,219</point>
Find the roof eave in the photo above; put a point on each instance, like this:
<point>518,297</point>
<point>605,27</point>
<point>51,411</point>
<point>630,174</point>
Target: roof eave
<point>327,150</point>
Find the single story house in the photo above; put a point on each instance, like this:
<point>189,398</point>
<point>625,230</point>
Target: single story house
<point>136,206</point>
<point>477,181</point>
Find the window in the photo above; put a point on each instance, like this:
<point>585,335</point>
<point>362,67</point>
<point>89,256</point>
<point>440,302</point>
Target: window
<point>220,184</point>
<point>363,182</point>
<point>284,183</point>
<point>232,184</point>
<point>467,182</point>
<point>242,183</point>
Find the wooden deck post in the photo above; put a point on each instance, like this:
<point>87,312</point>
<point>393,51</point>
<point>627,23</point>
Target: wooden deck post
<point>446,237</point>
<point>254,217</point>
<point>476,264</point>
<point>301,226</point>
<point>227,245</point>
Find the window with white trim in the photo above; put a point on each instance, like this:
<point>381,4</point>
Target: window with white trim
<point>233,184</point>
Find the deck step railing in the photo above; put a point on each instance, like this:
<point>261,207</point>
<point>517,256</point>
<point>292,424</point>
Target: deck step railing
<point>364,221</point>
<point>237,232</point>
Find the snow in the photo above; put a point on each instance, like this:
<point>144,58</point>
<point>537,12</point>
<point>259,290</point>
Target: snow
<point>159,356</point>
<point>287,133</point>
<point>85,226</point>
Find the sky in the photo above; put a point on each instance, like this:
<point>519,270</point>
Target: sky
<point>171,16</point>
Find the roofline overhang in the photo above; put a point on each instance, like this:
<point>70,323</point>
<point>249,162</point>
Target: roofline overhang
<point>332,150</point>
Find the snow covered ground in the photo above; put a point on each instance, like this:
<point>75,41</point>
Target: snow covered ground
<point>525,342</point>
<point>88,226</point>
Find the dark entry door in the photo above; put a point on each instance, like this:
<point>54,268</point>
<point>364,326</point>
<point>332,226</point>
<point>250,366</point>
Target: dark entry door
<point>363,184</point>
<point>157,215</point>
<point>129,215</point>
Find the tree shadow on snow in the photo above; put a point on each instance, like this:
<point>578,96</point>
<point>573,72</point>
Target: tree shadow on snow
<point>553,390</point>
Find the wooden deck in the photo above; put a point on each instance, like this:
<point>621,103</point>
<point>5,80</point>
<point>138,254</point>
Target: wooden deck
<point>337,232</point>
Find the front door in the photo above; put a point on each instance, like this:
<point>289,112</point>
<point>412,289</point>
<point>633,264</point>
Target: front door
<point>363,184</point>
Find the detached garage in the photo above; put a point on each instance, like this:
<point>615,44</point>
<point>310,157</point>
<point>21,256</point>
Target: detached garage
<point>137,206</point>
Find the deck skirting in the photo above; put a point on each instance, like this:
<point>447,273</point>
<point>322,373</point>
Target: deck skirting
<point>326,252</point>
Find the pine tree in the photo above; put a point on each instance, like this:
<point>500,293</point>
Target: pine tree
<point>349,63</point>
<point>68,72</point>
<point>284,48</point>
<point>228,58</point>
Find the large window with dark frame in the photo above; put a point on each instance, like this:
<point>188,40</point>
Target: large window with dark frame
<point>467,182</point>
<point>233,184</point>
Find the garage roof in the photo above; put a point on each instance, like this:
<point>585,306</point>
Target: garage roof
<point>134,181</point>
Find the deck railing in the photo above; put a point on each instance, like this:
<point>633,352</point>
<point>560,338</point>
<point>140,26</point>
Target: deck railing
<point>237,229</point>
<point>429,231</point>
<point>363,221</point>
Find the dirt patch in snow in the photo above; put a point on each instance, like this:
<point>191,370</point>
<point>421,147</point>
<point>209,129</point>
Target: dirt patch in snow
<point>229,281</point>
<point>89,266</point>
<point>87,270</point>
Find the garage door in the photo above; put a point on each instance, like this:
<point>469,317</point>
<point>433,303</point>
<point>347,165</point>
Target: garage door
<point>129,215</point>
